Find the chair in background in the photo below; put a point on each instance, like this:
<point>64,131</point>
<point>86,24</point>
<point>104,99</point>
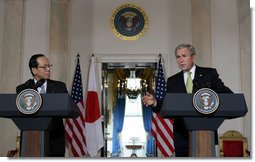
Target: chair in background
<point>233,144</point>
<point>16,152</point>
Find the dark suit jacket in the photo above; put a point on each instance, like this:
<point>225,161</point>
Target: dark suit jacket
<point>204,77</point>
<point>57,133</point>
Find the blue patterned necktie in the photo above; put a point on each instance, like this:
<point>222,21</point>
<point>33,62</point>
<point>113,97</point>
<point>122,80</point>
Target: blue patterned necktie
<point>42,89</point>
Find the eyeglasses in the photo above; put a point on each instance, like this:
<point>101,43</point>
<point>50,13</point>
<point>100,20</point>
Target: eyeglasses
<point>46,67</point>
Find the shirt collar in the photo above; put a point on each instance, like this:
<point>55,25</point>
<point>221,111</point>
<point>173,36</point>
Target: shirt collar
<point>192,70</point>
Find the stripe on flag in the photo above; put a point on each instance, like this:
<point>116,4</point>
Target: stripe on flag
<point>162,129</point>
<point>74,127</point>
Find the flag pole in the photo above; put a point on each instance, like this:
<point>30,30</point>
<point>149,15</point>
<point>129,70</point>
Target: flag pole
<point>74,130</point>
<point>160,59</point>
<point>77,58</point>
<point>167,129</point>
<point>78,55</point>
<point>93,126</point>
<point>160,56</point>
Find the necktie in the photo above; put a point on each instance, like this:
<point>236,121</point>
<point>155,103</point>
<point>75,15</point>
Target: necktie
<point>189,84</point>
<point>42,89</point>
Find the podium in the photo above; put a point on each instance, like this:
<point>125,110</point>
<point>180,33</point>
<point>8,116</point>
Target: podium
<point>34,127</point>
<point>202,126</point>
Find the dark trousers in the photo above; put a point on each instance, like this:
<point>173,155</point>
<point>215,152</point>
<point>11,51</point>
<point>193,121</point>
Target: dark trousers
<point>181,144</point>
<point>181,151</point>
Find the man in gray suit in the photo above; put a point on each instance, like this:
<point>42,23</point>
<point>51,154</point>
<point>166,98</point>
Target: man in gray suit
<point>40,69</point>
<point>203,77</point>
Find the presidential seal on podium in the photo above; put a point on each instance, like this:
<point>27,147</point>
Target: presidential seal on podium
<point>129,22</point>
<point>206,101</point>
<point>28,101</point>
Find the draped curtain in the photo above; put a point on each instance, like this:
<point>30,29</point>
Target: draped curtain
<point>147,121</point>
<point>118,116</point>
<point>119,85</point>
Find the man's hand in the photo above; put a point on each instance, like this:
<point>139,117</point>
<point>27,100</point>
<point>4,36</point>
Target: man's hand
<point>149,99</point>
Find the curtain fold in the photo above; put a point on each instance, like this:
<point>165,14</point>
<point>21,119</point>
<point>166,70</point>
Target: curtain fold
<point>118,116</point>
<point>147,121</point>
<point>119,88</point>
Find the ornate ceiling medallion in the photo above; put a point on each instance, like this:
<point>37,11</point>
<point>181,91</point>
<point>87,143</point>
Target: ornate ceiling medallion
<point>129,22</point>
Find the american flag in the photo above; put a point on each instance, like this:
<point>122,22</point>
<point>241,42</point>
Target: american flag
<point>75,127</point>
<point>162,129</point>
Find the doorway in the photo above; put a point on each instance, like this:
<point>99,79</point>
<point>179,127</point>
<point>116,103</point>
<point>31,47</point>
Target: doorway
<point>123,86</point>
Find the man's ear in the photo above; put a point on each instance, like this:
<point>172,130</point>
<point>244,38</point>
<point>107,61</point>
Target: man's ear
<point>194,57</point>
<point>34,70</point>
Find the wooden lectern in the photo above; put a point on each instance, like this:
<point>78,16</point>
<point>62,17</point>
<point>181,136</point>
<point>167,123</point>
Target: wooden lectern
<point>202,126</point>
<point>34,127</point>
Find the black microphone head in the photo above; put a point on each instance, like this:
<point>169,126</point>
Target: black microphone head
<point>28,83</point>
<point>39,83</point>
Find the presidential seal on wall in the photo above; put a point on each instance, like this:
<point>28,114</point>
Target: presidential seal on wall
<point>129,22</point>
<point>28,101</point>
<point>206,101</point>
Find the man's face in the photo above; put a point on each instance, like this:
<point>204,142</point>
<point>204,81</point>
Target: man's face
<point>43,70</point>
<point>184,60</point>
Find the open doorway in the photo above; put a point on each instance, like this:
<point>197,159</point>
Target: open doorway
<point>124,124</point>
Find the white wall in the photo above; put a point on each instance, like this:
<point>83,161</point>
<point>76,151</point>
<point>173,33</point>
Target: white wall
<point>80,35</point>
<point>180,30</point>
<point>1,27</point>
<point>169,25</point>
<point>1,20</point>
<point>225,50</point>
<point>36,32</point>
<point>90,30</point>
<point>8,129</point>
<point>155,40</point>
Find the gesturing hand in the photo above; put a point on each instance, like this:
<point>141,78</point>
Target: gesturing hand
<point>148,99</point>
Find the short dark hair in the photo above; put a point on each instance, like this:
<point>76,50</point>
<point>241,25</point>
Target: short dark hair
<point>33,62</point>
<point>191,49</point>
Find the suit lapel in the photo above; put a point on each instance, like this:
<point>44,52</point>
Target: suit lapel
<point>181,83</point>
<point>199,74</point>
<point>50,89</point>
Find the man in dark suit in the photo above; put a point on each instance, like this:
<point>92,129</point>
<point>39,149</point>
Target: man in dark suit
<point>202,77</point>
<point>40,69</point>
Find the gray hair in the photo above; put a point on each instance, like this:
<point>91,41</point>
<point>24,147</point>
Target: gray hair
<point>191,49</point>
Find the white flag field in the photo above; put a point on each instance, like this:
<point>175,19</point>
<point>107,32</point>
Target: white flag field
<point>93,125</point>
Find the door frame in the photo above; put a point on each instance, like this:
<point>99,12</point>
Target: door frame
<point>118,58</point>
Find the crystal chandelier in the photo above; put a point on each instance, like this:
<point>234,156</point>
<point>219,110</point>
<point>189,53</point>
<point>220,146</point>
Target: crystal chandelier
<point>133,88</point>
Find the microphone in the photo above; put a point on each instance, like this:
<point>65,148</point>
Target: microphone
<point>39,83</point>
<point>28,83</point>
